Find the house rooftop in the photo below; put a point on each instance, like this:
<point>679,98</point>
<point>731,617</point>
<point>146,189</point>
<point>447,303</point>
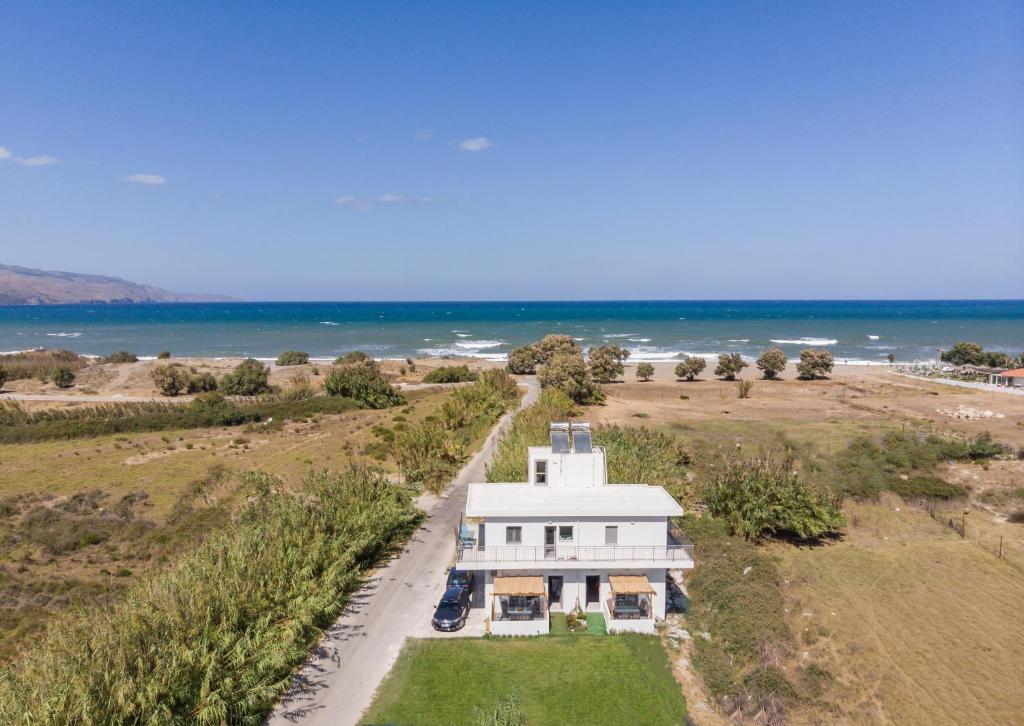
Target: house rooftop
<point>526,500</point>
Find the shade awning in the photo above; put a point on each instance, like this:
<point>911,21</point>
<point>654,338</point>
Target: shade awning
<point>630,584</point>
<point>532,585</point>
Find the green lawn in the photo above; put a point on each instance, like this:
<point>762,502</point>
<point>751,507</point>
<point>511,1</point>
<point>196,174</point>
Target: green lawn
<point>556,679</point>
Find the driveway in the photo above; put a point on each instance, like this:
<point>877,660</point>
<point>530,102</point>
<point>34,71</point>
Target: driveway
<point>337,683</point>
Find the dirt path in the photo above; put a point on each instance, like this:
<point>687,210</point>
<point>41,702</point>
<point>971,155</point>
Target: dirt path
<point>337,683</point>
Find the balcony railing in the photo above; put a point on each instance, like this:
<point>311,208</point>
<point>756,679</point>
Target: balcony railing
<point>563,553</point>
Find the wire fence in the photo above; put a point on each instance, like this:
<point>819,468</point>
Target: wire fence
<point>1008,548</point>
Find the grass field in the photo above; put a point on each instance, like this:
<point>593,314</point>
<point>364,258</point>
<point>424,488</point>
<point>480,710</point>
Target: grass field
<point>563,679</point>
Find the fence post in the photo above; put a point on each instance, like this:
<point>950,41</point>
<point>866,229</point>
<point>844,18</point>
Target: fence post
<point>1000,546</point>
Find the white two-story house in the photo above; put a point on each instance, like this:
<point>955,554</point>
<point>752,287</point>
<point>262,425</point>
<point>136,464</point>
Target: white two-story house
<point>568,538</point>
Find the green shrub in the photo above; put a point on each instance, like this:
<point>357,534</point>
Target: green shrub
<point>201,383</point>
<point>690,368</point>
<point>63,377</point>
<point>364,384</point>
<point>814,364</point>
<point>523,360</point>
<point>551,346</point>
<point>215,637</point>
<point>927,487</point>
<point>772,362</point>
<point>163,355</point>
<point>170,380</point>
<point>764,497</point>
<point>3,377</point>
<point>569,374</point>
<point>605,362</point>
<point>729,366</point>
<point>354,357</point>
<point>644,371</point>
<point>450,374</point>
<point>249,378</point>
<point>529,428</point>
<point>39,363</point>
<point>293,358</point>
<point>964,354</point>
<point>744,388</point>
<point>1016,517</point>
<point>121,356</point>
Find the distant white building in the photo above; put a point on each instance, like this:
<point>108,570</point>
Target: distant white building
<point>567,537</point>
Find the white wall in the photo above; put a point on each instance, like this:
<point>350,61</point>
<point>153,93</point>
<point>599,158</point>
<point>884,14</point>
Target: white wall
<point>587,531</point>
<point>572,470</point>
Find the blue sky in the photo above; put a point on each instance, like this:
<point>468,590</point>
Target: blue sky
<point>518,151</point>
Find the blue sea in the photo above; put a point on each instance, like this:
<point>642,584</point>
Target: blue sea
<point>854,331</point>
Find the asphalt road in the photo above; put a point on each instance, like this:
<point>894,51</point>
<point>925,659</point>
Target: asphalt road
<point>337,683</point>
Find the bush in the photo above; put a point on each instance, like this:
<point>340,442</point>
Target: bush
<point>163,355</point>
<point>522,360</point>
<point>644,371</point>
<point>121,356</point>
<point>964,354</point>
<point>730,365</point>
<point>763,497</point>
<point>201,383</point>
<point>744,388</point>
<point>364,384</point>
<point>249,378</point>
<point>814,364</point>
<point>293,358</point>
<point>569,374</point>
<point>529,428</point>
<point>605,362</point>
<point>170,380</point>
<point>551,346</point>
<point>450,374</point>
<point>354,357</point>
<point>690,368</point>
<point>3,377</point>
<point>927,487</point>
<point>772,362</point>
<point>63,377</point>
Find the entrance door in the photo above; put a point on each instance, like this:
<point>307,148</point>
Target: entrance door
<point>555,590</point>
<point>593,589</point>
<point>480,529</point>
<point>549,543</point>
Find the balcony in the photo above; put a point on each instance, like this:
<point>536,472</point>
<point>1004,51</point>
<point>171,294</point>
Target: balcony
<point>572,557</point>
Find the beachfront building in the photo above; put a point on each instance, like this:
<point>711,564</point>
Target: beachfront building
<point>567,538</point>
<point>1014,378</point>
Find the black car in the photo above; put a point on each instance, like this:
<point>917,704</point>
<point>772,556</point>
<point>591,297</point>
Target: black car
<point>453,609</point>
<point>460,578</point>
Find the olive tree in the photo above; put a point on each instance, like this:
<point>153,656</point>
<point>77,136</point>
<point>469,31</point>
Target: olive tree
<point>690,368</point>
<point>730,365</point>
<point>553,345</point>
<point>170,380</point>
<point>606,362</point>
<point>772,362</point>
<point>644,371</point>
<point>523,360</point>
<point>569,374</point>
<point>814,363</point>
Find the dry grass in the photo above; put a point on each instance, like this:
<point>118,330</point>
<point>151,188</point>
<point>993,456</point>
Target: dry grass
<point>914,624</point>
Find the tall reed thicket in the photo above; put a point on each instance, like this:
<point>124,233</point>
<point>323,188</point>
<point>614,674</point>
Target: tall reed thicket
<point>215,638</point>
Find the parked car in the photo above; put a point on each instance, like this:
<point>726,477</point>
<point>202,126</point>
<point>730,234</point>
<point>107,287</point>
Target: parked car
<point>453,609</point>
<point>462,578</point>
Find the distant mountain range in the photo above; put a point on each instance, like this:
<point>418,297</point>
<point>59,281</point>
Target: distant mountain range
<point>25,286</point>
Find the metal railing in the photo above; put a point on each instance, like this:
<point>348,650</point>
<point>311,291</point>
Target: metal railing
<point>562,553</point>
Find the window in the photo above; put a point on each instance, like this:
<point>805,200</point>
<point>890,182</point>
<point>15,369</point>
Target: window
<point>565,534</point>
<point>611,535</point>
<point>513,535</point>
<point>540,471</point>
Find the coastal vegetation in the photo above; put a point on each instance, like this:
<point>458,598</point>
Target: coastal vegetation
<point>606,362</point>
<point>249,378</point>
<point>364,384</point>
<point>964,353</point>
<point>569,373</point>
<point>814,364</point>
<point>293,358</point>
<point>121,356</point>
<point>214,637</point>
<point>355,357</point>
<point>729,366</point>
<point>170,380</point>
<point>690,368</point>
<point>771,363</point>
<point>450,374</point>
<point>63,377</point>
<point>644,371</point>
<point>546,680</point>
<point>39,363</point>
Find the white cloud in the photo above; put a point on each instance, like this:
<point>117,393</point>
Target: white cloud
<point>423,134</point>
<point>146,179</point>
<point>359,205</point>
<point>478,143</point>
<point>392,199</point>
<point>42,160</point>
<point>4,153</point>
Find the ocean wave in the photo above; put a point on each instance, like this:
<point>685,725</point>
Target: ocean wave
<point>65,335</point>
<point>739,340</point>
<point>618,335</point>
<point>872,337</point>
<point>328,322</point>
<point>650,354</point>
<point>477,344</point>
<point>459,353</point>
<point>463,335</point>
<point>639,340</point>
<point>805,341</point>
